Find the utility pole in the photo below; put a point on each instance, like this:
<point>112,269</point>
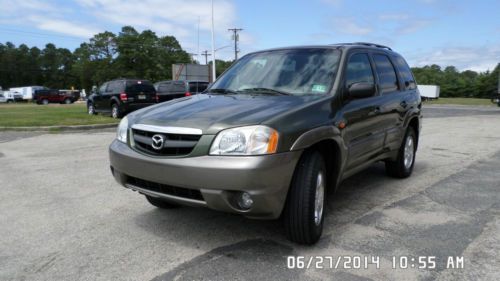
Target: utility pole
<point>236,39</point>
<point>206,54</point>
<point>214,74</point>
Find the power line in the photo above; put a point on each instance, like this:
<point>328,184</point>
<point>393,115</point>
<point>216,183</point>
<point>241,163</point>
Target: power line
<point>236,39</point>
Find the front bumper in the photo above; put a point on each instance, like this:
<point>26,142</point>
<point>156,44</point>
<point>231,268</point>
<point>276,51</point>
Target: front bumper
<point>219,178</point>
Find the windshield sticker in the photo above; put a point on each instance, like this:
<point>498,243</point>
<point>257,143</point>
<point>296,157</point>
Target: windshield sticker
<point>318,88</point>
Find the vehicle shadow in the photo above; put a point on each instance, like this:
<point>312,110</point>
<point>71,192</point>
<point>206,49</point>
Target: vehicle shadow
<point>232,245</point>
<point>202,228</point>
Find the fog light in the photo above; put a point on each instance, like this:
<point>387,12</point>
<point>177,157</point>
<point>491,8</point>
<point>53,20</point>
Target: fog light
<point>245,201</point>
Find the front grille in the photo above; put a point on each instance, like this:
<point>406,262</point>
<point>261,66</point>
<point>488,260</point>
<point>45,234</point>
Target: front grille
<point>166,189</point>
<point>173,144</point>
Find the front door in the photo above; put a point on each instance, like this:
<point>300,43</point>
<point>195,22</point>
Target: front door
<point>363,134</point>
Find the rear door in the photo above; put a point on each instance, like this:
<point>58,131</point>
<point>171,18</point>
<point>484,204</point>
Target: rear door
<point>392,107</point>
<point>179,89</point>
<point>140,91</point>
<point>363,133</point>
<point>54,95</point>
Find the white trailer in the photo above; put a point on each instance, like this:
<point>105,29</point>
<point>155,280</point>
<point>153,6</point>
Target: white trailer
<point>429,92</point>
<point>26,92</point>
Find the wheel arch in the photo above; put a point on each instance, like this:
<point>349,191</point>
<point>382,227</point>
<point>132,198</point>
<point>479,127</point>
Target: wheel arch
<point>414,123</point>
<point>328,142</point>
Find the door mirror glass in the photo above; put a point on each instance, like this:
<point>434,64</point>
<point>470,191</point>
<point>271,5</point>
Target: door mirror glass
<point>361,90</point>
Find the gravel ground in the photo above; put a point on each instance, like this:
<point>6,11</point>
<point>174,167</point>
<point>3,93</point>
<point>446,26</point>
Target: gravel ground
<point>64,218</point>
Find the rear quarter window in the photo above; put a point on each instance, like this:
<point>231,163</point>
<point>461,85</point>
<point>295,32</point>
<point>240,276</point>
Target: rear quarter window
<point>405,73</point>
<point>386,73</point>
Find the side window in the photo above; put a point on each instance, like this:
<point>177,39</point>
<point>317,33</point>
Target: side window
<point>386,74</point>
<point>164,87</point>
<point>405,73</point>
<point>178,87</point>
<point>102,89</point>
<point>359,70</point>
<point>114,87</point>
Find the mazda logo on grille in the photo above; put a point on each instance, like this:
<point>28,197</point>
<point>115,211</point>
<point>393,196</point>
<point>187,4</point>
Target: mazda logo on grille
<point>157,142</point>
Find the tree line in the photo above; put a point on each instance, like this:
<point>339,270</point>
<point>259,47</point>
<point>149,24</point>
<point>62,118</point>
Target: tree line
<point>454,83</point>
<point>104,57</point>
<point>148,56</point>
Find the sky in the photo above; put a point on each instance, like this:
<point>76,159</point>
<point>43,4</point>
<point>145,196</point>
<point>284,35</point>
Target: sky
<point>462,33</point>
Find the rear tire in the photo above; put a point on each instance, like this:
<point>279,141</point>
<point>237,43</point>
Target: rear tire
<point>115,111</point>
<point>45,101</point>
<point>304,209</point>
<point>67,101</point>
<point>403,166</point>
<point>160,203</point>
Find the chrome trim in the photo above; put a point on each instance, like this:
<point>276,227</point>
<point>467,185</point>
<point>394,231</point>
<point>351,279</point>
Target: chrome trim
<point>167,130</point>
<point>166,196</point>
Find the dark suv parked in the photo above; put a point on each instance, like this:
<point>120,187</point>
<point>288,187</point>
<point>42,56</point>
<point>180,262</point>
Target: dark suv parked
<point>275,133</point>
<point>168,90</point>
<point>121,96</point>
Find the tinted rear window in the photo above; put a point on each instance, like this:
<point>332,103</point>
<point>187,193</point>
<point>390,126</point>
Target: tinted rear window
<point>140,86</point>
<point>405,73</point>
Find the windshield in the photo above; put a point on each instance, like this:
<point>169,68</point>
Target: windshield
<point>296,72</point>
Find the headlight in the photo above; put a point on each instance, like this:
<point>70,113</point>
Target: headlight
<point>121,133</point>
<point>251,140</point>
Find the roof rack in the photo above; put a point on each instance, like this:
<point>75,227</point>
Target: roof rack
<point>372,45</point>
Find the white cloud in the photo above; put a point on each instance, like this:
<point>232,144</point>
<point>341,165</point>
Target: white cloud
<point>350,26</point>
<point>84,18</point>
<point>464,58</point>
<point>167,17</point>
<point>65,27</point>
<point>43,16</point>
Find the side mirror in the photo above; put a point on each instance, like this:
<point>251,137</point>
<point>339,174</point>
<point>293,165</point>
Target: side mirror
<point>361,90</point>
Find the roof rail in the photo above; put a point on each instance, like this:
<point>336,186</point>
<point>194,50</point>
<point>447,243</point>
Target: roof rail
<point>372,45</point>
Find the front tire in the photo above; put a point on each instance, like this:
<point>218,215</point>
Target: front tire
<point>304,210</point>
<point>91,109</point>
<point>67,101</point>
<point>403,166</point>
<point>45,101</point>
<point>160,203</point>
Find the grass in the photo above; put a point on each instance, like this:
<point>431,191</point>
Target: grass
<point>28,115</point>
<point>461,101</point>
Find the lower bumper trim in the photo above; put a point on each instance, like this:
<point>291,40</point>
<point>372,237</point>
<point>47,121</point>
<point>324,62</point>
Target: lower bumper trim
<point>166,196</point>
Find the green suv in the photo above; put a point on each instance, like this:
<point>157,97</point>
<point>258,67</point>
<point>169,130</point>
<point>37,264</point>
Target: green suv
<point>275,133</point>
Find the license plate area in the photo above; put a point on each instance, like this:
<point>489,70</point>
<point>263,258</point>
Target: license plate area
<point>141,97</point>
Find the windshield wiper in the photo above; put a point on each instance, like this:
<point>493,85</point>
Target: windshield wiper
<point>265,91</point>
<point>222,91</point>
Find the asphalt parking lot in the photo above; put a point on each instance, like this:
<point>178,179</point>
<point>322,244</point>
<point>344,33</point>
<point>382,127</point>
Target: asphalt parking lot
<point>64,218</point>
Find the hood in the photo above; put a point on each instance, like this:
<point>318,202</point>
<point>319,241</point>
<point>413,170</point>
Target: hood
<point>212,113</point>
